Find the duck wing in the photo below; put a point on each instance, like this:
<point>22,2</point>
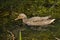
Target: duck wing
<point>40,23</point>
<point>35,19</point>
<point>39,18</point>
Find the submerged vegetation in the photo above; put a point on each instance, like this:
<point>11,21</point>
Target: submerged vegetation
<point>10,9</point>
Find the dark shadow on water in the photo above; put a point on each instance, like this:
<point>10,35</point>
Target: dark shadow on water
<point>29,32</point>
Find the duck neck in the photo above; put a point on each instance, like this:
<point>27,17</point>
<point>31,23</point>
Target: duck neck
<point>24,20</point>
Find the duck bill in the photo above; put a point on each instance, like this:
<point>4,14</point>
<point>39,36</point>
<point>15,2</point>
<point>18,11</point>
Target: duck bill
<point>16,19</point>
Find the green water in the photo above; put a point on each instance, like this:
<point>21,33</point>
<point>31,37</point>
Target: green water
<point>48,33</point>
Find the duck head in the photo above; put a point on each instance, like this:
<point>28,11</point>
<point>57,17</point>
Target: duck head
<point>21,16</point>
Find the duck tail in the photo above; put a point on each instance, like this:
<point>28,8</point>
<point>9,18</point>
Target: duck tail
<point>52,20</point>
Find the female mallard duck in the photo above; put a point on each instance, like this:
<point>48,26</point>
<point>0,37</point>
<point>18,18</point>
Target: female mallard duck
<point>35,21</point>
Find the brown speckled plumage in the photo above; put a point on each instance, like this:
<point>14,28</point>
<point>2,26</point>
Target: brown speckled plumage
<point>36,21</point>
